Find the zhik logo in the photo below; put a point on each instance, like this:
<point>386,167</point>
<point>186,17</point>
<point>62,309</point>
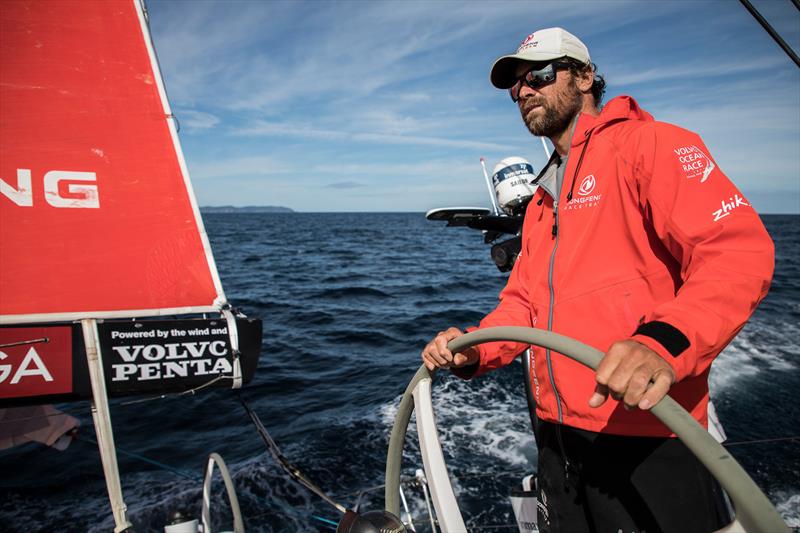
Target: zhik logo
<point>727,207</point>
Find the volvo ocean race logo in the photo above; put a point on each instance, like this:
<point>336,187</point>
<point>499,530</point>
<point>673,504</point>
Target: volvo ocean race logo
<point>694,162</point>
<point>585,198</point>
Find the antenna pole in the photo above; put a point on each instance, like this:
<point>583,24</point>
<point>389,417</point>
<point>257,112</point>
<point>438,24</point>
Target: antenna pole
<point>772,33</point>
<point>546,151</point>
<point>492,195</point>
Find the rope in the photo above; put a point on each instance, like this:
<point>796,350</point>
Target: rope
<point>37,417</point>
<point>22,343</point>
<point>474,527</point>
<point>326,522</point>
<point>760,441</point>
<point>153,462</point>
<point>284,463</point>
<point>176,394</point>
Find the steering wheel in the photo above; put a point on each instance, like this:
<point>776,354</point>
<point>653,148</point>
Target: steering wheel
<point>754,512</point>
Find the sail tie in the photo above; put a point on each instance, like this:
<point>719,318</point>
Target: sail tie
<point>233,333</point>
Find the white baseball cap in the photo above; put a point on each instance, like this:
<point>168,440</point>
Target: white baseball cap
<point>539,46</point>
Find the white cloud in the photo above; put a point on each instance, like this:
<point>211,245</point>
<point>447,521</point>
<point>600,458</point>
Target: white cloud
<point>694,70</point>
<point>344,185</point>
<point>334,83</point>
<point>255,166</point>
<point>197,120</point>
<point>307,132</point>
<point>254,56</point>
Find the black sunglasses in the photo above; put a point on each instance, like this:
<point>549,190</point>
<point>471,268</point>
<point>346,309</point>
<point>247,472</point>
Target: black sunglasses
<point>537,78</point>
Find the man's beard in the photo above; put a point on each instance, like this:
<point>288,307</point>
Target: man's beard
<point>553,119</point>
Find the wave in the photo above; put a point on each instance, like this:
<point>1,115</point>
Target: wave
<point>788,506</point>
<point>351,292</point>
<point>362,337</point>
<point>341,340</point>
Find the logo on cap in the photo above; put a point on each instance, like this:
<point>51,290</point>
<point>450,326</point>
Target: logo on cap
<point>528,42</point>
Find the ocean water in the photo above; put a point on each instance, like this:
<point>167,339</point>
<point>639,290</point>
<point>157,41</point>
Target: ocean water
<point>348,301</point>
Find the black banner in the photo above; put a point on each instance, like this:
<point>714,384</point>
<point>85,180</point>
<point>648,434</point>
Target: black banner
<point>139,357</point>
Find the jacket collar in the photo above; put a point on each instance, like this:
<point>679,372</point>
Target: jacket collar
<point>616,110</point>
<point>547,176</point>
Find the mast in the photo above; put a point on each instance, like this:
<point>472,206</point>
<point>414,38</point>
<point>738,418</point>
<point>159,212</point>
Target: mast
<point>101,415</point>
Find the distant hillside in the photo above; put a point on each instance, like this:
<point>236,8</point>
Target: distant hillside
<point>245,209</point>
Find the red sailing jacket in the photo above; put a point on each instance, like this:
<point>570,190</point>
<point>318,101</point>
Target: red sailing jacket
<point>653,243</point>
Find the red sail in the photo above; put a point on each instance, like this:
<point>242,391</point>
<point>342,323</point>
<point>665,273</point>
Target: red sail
<point>97,215</point>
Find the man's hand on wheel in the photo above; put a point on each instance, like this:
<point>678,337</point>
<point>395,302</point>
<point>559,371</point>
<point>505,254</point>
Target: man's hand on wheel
<point>634,374</point>
<point>436,355</point>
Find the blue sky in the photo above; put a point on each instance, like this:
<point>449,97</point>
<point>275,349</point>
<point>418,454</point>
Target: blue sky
<point>387,106</point>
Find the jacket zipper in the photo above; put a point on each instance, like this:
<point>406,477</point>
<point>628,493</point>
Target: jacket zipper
<point>550,328</point>
<point>550,310</point>
<point>552,301</point>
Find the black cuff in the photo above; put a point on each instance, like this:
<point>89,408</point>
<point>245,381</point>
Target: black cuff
<point>665,334</point>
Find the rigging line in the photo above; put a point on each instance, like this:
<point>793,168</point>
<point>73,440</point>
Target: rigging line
<point>405,480</point>
<point>411,481</point>
<point>22,343</point>
<point>37,417</point>
<point>326,522</point>
<point>760,441</point>
<point>282,461</point>
<point>467,475</point>
<point>772,33</point>
<point>159,464</point>
<point>176,394</point>
<point>474,527</point>
<point>204,385</point>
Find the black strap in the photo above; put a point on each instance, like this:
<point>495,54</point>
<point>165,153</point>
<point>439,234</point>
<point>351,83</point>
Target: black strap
<point>665,334</point>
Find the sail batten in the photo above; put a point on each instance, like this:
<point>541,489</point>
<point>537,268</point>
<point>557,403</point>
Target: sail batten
<point>97,213</point>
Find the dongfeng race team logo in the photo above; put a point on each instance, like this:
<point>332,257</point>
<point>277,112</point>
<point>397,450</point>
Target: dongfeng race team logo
<point>587,185</point>
<point>586,196</point>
